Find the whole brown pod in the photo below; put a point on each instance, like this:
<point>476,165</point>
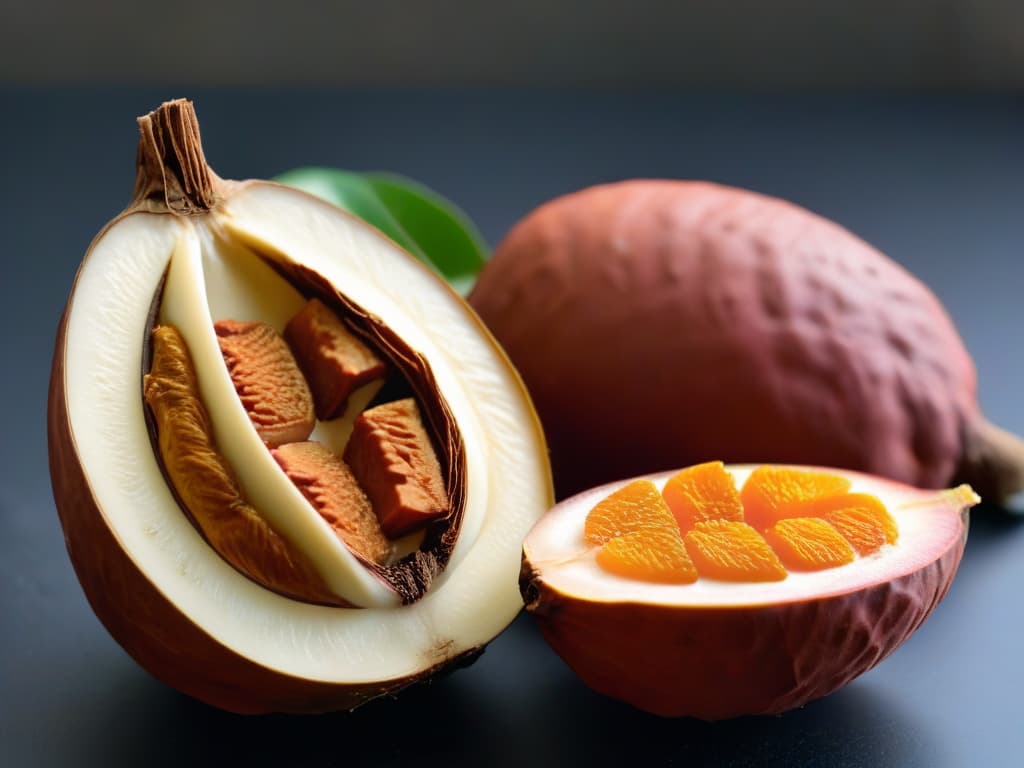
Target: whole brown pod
<point>664,323</point>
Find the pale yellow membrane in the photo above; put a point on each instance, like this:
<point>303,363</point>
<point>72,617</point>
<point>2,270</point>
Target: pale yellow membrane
<point>187,304</point>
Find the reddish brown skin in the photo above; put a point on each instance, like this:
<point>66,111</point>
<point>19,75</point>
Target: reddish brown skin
<point>662,323</point>
<point>717,663</point>
<point>149,627</point>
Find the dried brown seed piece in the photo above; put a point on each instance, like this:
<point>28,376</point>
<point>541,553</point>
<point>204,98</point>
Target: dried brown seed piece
<point>205,484</point>
<point>392,458</point>
<point>328,484</point>
<point>335,361</point>
<point>268,381</point>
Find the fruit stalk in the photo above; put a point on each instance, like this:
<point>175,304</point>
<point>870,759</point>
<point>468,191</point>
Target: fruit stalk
<point>172,175</point>
<point>993,463</point>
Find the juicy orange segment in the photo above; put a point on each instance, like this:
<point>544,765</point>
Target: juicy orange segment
<point>635,507</point>
<point>784,519</point>
<point>808,544</point>
<point>703,492</point>
<point>861,519</point>
<point>652,554</point>
<point>732,551</point>
<point>774,493</point>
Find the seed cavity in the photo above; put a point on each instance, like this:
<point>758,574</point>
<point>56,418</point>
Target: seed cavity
<point>280,502</point>
<point>205,483</point>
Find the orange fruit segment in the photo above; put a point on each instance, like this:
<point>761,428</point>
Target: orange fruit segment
<point>732,551</point>
<point>703,492</point>
<point>634,507</point>
<point>784,519</point>
<point>861,519</point>
<point>771,494</point>
<point>808,544</point>
<point>652,554</point>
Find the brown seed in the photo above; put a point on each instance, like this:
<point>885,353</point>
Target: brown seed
<point>392,458</point>
<point>328,484</point>
<point>268,381</point>
<point>335,361</point>
<point>205,484</point>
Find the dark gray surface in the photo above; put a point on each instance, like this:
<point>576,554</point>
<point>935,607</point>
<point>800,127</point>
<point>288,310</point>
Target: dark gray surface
<point>879,43</point>
<point>937,182</point>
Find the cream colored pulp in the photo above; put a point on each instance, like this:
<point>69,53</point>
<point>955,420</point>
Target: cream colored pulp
<point>477,594</point>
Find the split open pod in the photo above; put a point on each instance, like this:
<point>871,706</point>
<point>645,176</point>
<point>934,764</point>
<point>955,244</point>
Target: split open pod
<point>293,469</point>
<point>722,591</point>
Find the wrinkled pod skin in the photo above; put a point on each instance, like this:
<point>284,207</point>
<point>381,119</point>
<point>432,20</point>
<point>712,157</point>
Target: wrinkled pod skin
<point>728,662</point>
<point>664,323</point>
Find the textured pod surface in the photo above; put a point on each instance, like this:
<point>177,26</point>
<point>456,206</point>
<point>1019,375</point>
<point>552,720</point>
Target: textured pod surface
<point>713,650</point>
<point>709,322</point>
<point>768,661</point>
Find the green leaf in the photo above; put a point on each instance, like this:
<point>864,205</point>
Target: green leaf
<point>423,222</point>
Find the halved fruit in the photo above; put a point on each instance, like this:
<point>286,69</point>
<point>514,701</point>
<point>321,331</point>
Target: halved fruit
<point>715,647</point>
<point>239,524</point>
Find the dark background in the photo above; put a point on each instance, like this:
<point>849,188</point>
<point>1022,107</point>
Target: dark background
<point>889,44</point>
<point>903,121</point>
